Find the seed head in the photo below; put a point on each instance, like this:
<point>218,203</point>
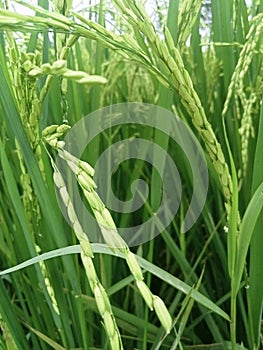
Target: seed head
<point>162,313</point>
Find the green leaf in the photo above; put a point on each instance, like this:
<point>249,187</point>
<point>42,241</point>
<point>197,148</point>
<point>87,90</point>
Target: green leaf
<point>157,271</point>
<point>255,293</point>
<point>246,230</point>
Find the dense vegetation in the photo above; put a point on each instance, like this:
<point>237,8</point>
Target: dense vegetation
<point>200,60</point>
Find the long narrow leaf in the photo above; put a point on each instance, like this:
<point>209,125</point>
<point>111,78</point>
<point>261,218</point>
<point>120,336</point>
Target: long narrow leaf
<point>246,230</point>
<point>158,272</point>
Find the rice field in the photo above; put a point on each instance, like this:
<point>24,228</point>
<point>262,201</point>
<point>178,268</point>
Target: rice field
<point>131,174</point>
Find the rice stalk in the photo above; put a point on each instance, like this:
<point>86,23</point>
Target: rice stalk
<point>71,40</point>
<point>97,289</point>
<point>248,51</point>
<point>250,108</point>
<point>244,104</point>
<point>27,100</point>
<point>83,173</point>
<point>246,129</point>
<point>188,12</point>
<point>213,68</point>
<point>168,56</point>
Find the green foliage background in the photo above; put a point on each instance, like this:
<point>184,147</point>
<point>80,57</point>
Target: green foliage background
<point>210,74</point>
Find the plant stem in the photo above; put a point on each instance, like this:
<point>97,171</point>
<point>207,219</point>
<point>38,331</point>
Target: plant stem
<point>233,319</point>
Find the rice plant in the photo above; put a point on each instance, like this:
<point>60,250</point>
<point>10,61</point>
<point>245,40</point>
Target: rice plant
<point>202,61</point>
